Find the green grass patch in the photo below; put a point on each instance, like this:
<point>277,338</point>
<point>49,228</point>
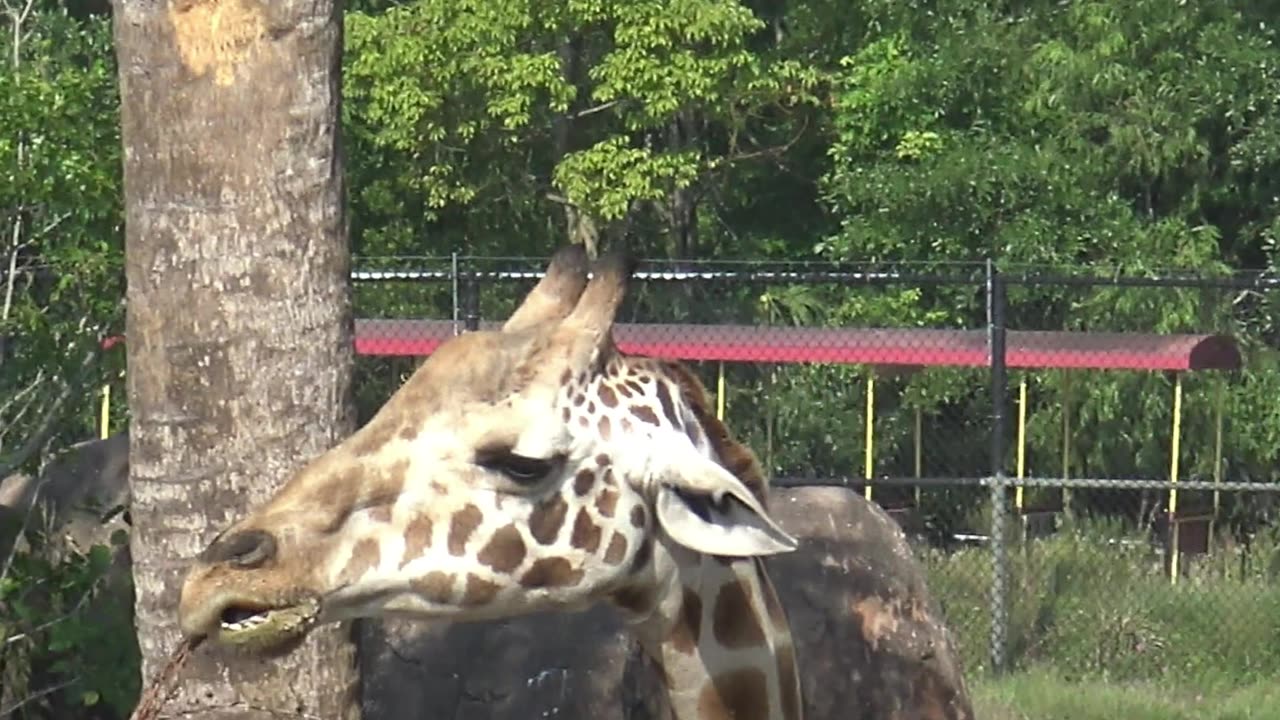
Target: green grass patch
<point>1091,603</point>
<point>1037,695</point>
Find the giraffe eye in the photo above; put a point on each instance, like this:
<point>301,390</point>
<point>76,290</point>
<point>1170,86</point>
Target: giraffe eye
<point>519,469</point>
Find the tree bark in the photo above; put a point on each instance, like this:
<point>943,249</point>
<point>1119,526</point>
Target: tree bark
<point>239,320</point>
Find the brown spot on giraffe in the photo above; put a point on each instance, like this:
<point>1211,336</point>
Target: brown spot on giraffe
<point>639,517</point>
<point>417,538</point>
<point>478,591</point>
<point>625,391</point>
<point>586,534</point>
<point>688,625</point>
<point>379,514</point>
<point>583,481</point>
<point>565,414</point>
<point>338,491</point>
<point>579,399</point>
<point>505,550</point>
<point>668,406</point>
<point>583,421</point>
<point>626,425</point>
<point>409,431</point>
<point>635,387</point>
<point>603,460</point>
<point>734,621</point>
<point>566,377</point>
<point>605,428</point>
<point>608,397</point>
<point>551,572</point>
<point>735,695</point>
<point>645,414</point>
<point>364,557</point>
<point>607,502</point>
<point>435,587</point>
<point>464,522</point>
<point>547,519</point>
<point>617,549</point>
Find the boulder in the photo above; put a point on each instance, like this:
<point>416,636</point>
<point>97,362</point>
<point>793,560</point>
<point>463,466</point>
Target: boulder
<point>80,497</point>
<point>870,642</point>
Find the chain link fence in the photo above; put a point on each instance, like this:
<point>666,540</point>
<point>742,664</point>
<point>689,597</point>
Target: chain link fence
<point>1086,465</point>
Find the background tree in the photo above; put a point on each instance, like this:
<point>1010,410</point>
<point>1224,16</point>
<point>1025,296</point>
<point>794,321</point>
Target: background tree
<point>239,320</point>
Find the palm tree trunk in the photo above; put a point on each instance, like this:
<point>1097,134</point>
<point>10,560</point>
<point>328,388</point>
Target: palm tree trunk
<point>239,311</point>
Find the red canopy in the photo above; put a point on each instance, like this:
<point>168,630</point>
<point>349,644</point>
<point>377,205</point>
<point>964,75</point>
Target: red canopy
<point>856,346</point>
<point>876,346</point>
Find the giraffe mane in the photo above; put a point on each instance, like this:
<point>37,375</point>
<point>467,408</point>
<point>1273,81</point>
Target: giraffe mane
<point>736,457</point>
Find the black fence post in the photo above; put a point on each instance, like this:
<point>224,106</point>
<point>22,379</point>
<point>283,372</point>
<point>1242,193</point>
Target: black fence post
<point>999,500</point>
<point>471,301</point>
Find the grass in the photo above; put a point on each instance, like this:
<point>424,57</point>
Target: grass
<point>1085,607</point>
<point>1037,695</point>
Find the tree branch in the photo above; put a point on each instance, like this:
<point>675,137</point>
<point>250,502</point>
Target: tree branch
<point>37,695</point>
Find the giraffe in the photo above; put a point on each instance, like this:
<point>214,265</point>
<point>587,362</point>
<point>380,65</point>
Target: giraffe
<point>529,468</point>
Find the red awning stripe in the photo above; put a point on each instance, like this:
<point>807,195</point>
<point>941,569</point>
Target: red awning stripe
<point>921,347</point>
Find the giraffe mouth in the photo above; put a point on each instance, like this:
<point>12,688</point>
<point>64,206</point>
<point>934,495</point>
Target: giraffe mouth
<point>264,628</point>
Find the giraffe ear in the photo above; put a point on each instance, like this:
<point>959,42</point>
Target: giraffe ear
<point>705,508</point>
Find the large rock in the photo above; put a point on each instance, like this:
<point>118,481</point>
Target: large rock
<point>869,640</point>
<point>79,497</point>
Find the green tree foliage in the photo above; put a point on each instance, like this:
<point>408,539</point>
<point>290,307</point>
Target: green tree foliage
<point>1097,136</point>
<point>60,223</point>
<point>506,123</point>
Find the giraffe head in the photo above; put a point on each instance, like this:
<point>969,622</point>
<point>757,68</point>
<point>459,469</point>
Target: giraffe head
<point>517,470</point>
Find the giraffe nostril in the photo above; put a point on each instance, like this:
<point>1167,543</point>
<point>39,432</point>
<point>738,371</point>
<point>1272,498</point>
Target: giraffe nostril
<point>248,549</point>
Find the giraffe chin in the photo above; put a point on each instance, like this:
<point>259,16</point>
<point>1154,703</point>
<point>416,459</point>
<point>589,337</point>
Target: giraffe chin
<point>268,631</point>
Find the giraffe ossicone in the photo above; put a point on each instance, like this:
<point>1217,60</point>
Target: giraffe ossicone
<point>526,469</point>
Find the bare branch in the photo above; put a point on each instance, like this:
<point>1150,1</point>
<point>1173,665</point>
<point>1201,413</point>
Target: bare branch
<point>596,109</point>
<point>37,695</point>
<point>45,427</point>
<point>84,598</point>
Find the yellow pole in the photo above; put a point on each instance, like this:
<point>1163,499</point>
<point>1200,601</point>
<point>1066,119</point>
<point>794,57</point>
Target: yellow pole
<point>1022,440</point>
<point>919,450</point>
<point>720,394</point>
<point>104,420</point>
<point>868,459</point>
<point>1174,451</point>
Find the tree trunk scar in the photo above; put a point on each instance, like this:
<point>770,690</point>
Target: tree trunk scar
<point>217,35</point>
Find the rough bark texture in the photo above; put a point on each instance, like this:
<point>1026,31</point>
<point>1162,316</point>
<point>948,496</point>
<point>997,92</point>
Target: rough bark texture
<point>239,320</point>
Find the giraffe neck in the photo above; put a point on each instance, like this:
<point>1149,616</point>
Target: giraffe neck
<point>724,644</point>
<point>718,631</point>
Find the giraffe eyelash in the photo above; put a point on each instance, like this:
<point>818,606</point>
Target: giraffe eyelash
<point>520,469</point>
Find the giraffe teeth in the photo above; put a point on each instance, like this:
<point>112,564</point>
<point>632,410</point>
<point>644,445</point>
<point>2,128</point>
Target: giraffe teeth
<point>247,623</point>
